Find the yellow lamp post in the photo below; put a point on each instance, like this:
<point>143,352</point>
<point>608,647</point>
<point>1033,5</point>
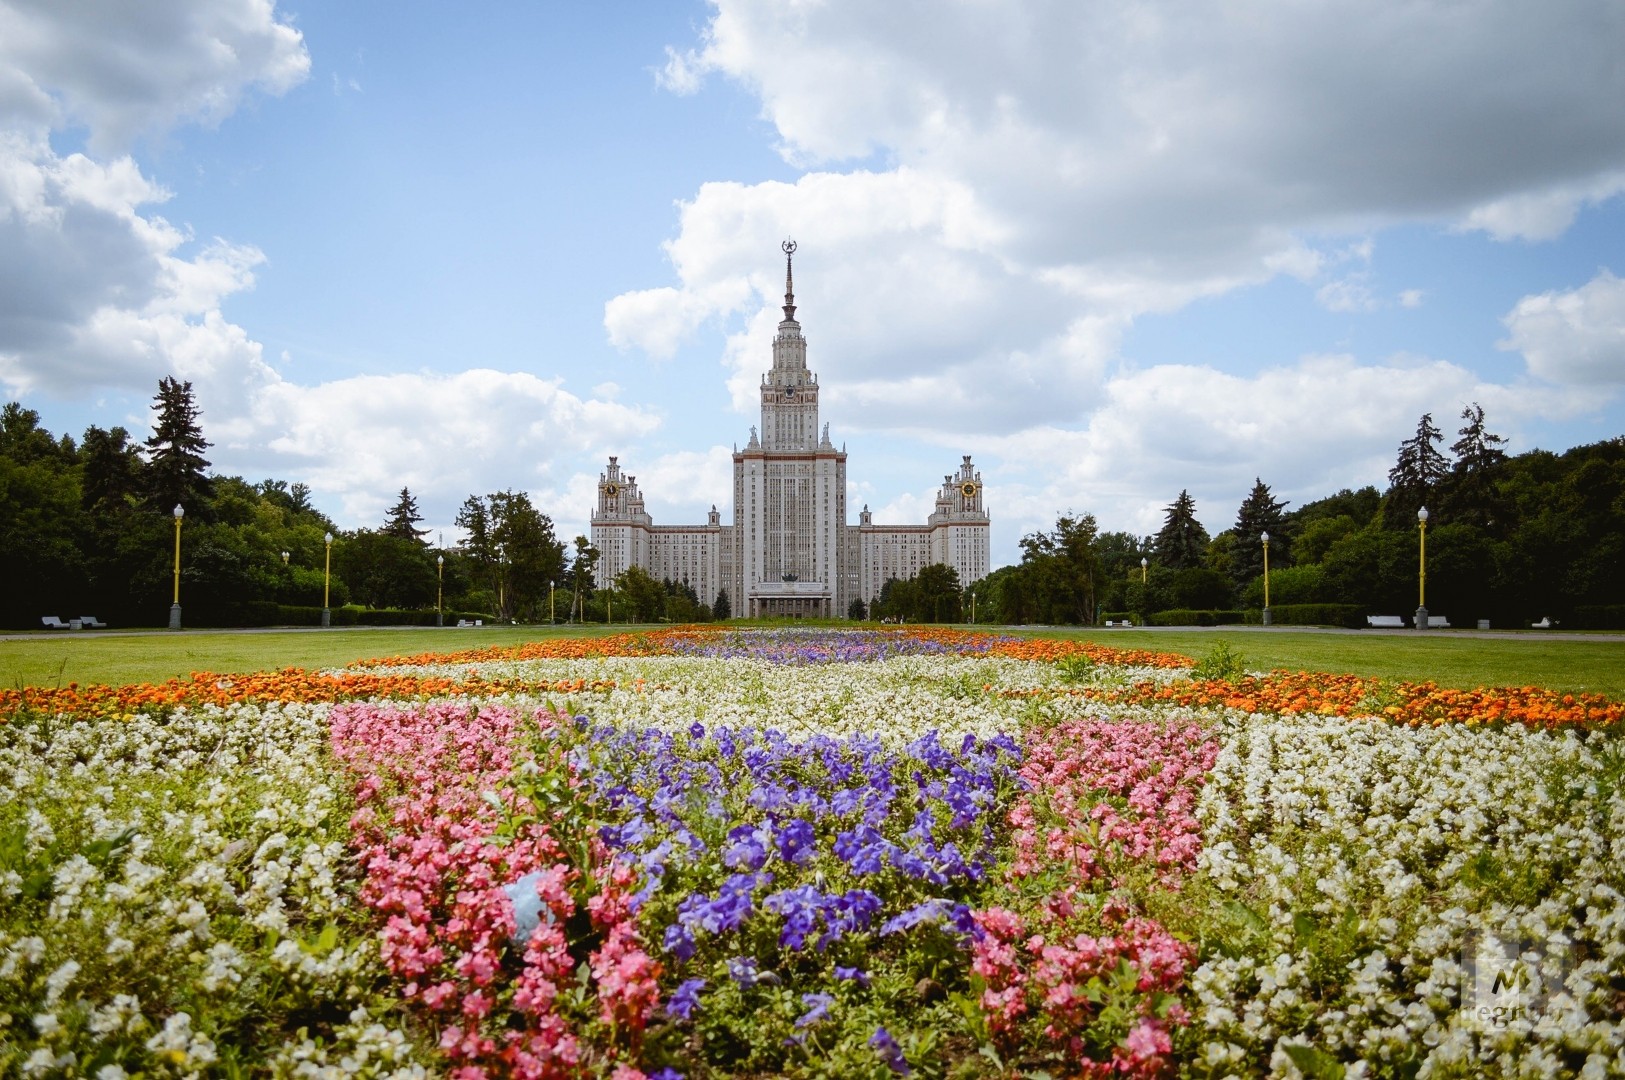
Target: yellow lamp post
<point>284,558</point>
<point>175,604</point>
<point>1268,616</point>
<point>440,590</point>
<point>550,619</point>
<point>1145,564</point>
<point>327,580</point>
<point>1422,569</point>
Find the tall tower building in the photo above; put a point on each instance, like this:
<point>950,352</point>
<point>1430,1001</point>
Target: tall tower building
<point>789,550</point>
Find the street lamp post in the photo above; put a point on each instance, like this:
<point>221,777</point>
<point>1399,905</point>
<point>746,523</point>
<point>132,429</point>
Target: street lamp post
<point>327,580</point>
<point>550,618</point>
<point>440,590</point>
<point>1268,616</point>
<point>1422,569</point>
<point>175,604</point>
<point>284,558</point>
<point>1145,564</point>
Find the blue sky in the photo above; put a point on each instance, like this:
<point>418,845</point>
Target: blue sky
<point>1112,251</point>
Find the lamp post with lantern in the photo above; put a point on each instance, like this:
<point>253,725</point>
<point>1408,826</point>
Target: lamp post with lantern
<point>175,604</point>
<point>440,590</point>
<point>1422,569</point>
<point>1145,564</point>
<point>1268,616</point>
<point>327,580</point>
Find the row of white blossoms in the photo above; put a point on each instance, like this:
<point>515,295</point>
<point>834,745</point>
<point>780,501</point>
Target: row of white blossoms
<point>1450,897</point>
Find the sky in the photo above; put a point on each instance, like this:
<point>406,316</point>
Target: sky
<point>1113,251</point>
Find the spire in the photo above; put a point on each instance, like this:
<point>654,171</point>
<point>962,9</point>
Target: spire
<point>789,249</point>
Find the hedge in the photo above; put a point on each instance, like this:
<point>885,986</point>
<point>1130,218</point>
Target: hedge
<point>1598,617</point>
<point>1193,617</point>
<point>1351,616</point>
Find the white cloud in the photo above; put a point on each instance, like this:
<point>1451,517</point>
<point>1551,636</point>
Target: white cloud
<point>1347,294</point>
<point>95,289</point>
<point>125,70</point>
<point>1411,298</point>
<point>682,487</point>
<point>1541,215</point>
<point>1048,173</point>
<point>1576,337</point>
<point>361,439</point>
<point>1307,429</point>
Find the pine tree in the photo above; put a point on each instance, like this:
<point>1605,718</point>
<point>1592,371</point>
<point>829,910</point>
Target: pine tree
<point>403,519</point>
<point>720,608</point>
<point>1182,541</point>
<point>1260,513</point>
<point>1469,494</point>
<point>175,460</point>
<point>1414,479</point>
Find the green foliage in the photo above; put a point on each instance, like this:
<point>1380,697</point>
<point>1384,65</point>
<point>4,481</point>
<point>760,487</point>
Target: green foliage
<point>1289,585</point>
<point>1350,616</point>
<point>1219,663</point>
<point>1195,617</point>
<point>1260,513</point>
<point>1059,577</point>
<point>175,473</point>
<point>1416,475</point>
<point>1182,541</point>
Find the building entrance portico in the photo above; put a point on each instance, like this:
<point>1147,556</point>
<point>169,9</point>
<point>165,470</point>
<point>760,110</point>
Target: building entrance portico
<point>791,600</point>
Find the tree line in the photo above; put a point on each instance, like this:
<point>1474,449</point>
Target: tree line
<point>88,528</point>
<point>1509,538</point>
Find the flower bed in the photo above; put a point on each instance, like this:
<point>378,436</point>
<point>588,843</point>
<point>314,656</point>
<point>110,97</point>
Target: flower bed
<point>710,854</point>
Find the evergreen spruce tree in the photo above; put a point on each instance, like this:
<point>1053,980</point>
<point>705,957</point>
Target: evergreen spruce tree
<point>403,519</point>
<point>1469,495</point>
<point>1414,480</point>
<point>720,608</point>
<point>1260,513</point>
<point>175,462</point>
<point>1182,541</point>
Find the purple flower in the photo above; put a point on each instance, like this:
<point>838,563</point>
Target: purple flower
<point>889,1052</point>
<point>666,1073</point>
<point>685,999</point>
<point>818,1009</point>
<point>852,974</point>
<point>679,942</point>
<point>796,841</point>
<point>747,847</point>
<point>743,970</point>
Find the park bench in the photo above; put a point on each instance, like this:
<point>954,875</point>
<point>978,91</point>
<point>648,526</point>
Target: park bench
<point>1123,622</point>
<point>90,622</point>
<point>1387,622</point>
<point>53,623</point>
<point>1438,622</point>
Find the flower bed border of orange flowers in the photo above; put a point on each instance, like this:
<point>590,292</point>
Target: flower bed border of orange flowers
<point>1280,692</point>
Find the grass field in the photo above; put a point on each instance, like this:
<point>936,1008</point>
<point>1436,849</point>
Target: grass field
<point>1451,660</point>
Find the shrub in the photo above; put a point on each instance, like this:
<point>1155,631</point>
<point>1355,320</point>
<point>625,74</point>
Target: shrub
<point>1194,617</point>
<point>1599,617</point>
<point>1351,616</point>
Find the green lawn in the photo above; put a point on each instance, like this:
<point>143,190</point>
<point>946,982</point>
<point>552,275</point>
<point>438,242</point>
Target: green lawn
<point>116,659</point>
<point>1594,666</point>
<point>1447,659</point>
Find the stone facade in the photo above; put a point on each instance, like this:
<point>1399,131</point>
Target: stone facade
<point>788,549</point>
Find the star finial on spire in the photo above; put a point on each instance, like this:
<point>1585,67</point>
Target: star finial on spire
<point>789,249</point>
